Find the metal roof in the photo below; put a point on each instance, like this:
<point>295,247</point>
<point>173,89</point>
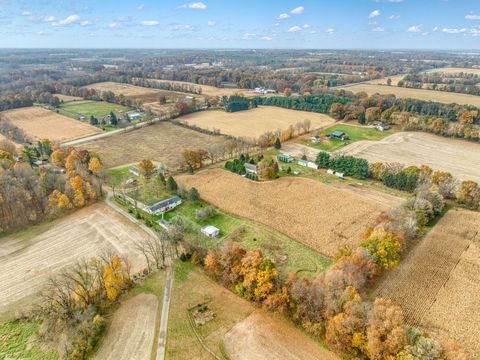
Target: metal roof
<point>164,203</point>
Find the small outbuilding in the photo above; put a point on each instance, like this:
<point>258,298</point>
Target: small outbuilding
<point>307,163</point>
<point>316,139</point>
<point>211,231</point>
<point>135,170</point>
<point>251,169</point>
<point>286,158</point>
<point>134,116</point>
<point>339,135</point>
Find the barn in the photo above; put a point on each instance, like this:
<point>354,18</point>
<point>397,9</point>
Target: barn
<point>164,206</point>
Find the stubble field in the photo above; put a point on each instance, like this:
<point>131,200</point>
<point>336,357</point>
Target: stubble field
<point>39,123</point>
<point>255,122</point>
<point>162,142</point>
<point>321,217</point>
<point>455,70</point>
<point>211,90</point>
<point>420,94</point>
<point>459,157</point>
<point>132,330</point>
<point>26,262</point>
<point>437,283</point>
<point>67,98</point>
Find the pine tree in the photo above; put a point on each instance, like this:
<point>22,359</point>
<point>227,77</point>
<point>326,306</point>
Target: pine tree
<point>193,194</point>
<point>278,144</point>
<point>171,184</point>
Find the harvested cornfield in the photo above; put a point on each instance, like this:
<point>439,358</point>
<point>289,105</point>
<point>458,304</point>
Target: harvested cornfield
<point>132,330</point>
<point>260,336</point>
<point>255,122</point>
<point>455,70</point>
<point>437,283</point>
<point>67,98</point>
<point>384,81</point>
<point>321,217</point>
<point>457,156</point>
<point>28,260</point>
<point>420,94</point>
<point>162,142</point>
<point>211,90</point>
<point>127,90</point>
<point>39,123</point>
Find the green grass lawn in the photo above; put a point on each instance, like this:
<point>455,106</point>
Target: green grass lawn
<point>99,109</point>
<point>356,133</point>
<point>16,341</point>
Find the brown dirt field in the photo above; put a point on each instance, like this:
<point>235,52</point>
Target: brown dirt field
<point>67,98</point>
<point>383,81</point>
<point>437,283</point>
<point>255,122</point>
<point>260,336</point>
<point>457,156</point>
<point>26,262</point>
<point>321,217</point>
<point>162,142</point>
<point>39,123</point>
<point>427,95</point>
<point>455,70</point>
<point>212,90</point>
<point>132,330</point>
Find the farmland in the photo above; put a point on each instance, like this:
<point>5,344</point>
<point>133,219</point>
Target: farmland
<point>98,109</point>
<point>67,98</point>
<point>420,94</point>
<point>39,123</point>
<point>356,133</point>
<point>322,218</point>
<point>162,142</point>
<point>255,122</point>
<point>383,81</point>
<point>260,336</point>
<point>437,284</point>
<point>455,70</point>
<point>191,288</point>
<point>28,259</point>
<point>132,330</point>
<point>414,148</point>
<point>211,90</point>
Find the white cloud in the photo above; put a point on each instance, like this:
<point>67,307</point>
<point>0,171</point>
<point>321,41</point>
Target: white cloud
<point>378,29</point>
<point>267,38</point>
<point>435,28</point>
<point>425,33</point>
<point>330,30</point>
<point>211,23</point>
<point>67,21</point>
<point>26,13</point>
<point>294,29</point>
<point>454,31</point>
<point>196,6</point>
<point>306,26</point>
<point>183,27</point>
<point>298,10</point>
<point>394,17</point>
<point>276,24</point>
<point>414,28</point>
<point>85,23</point>
<point>40,33</point>
<point>141,7</point>
<point>150,22</point>
<point>283,16</point>
<point>313,31</point>
<point>472,17</point>
<point>50,18</point>
<point>113,25</point>
<point>374,14</point>
<point>248,36</point>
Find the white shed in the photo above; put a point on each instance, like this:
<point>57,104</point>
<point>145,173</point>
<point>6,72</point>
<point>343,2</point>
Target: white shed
<point>211,231</point>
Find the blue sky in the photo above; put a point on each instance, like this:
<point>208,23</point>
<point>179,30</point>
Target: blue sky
<point>415,24</point>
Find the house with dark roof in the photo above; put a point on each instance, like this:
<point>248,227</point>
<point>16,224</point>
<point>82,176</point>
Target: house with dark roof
<point>163,206</point>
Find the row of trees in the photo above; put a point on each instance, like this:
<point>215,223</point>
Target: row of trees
<point>348,165</point>
<point>464,83</point>
<point>316,103</point>
<point>31,194</point>
<point>333,306</point>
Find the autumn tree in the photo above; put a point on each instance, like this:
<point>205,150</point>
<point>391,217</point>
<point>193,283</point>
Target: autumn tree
<point>146,168</point>
<point>77,184</point>
<point>337,111</point>
<point>373,114</point>
<point>386,335</point>
<point>194,158</point>
<point>94,165</point>
<point>58,157</point>
<point>469,194</point>
<point>384,247</point>
<point>114,277</point>
<point>287,91</point>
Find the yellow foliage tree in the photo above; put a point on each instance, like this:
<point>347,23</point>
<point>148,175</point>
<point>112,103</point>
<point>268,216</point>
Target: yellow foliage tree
<point>77,185</point>
<point>58,158</point>
<point>70,161</point>
<point>94,165</point>
<point>384,247</point>
<point>64,202</point>
<point>114,278</point>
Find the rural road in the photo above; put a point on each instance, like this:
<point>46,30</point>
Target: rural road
<point>167,292</point>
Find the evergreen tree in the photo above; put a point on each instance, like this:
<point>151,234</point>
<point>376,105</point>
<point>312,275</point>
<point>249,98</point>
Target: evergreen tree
<point>171,184</point>
<point>361,118</point>
<point>193,194</point>
<point>278,144</point>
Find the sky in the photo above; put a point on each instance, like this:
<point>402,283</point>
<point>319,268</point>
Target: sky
<point>312,24</point>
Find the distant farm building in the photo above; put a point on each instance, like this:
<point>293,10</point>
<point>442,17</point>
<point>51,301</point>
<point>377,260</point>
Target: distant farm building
<point>164,224</point>
<point>164,206</point>
<point>135,170</point>
<point>316,139</point>
<point>251,169</point>
<point>134,116</point>
<point>380,126</point>
<point>307,163</point>
<point>339,135</point>
<point>211,231</point>
<point>286,158</point>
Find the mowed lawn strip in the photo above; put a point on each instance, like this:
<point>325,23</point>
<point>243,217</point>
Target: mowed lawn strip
<point>98,109</point>
<point>356,133</point>
<point>318,216</point>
